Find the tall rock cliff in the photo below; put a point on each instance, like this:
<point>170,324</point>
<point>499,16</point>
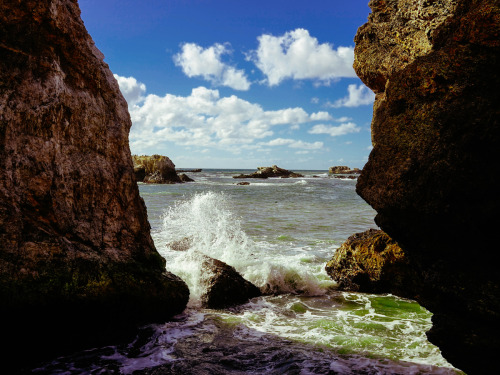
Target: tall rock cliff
<point>77,262</point>
<point>432,174</point>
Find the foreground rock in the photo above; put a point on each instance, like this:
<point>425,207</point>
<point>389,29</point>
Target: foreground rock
<point>155,169</point>
<point>78,267</point>
<point>225,286</point>
<point>343,170</point>
<point>267,172</point>
<point>431,174</point>
<point>372,262</point>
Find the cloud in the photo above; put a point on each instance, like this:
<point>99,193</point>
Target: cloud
<point>335,131</point>
<point>131,90</point>
<point>293,144</point>
<point>357,95</point>
<point>204,119</point>
<point>298,55</point>
<point>206,63</point>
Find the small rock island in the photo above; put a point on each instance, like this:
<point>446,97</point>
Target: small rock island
<point>267,172</point>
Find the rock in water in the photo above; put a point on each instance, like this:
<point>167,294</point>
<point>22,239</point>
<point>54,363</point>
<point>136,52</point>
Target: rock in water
<point>225,286</point>
<point>77,262</point>
<point>372,262</point>
<point>158,169</point>
<point>434,66</point>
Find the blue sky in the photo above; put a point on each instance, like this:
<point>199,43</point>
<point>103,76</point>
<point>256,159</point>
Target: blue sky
<point>238,84</point>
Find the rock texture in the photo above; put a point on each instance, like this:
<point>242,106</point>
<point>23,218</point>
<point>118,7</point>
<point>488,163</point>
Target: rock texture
<point>267,172</point>
<point>155,169</point>
<point>431,174</point>
<point>372,262</point>
<point>343,169</point>
<point>77,262</point>
<point>225,286</point>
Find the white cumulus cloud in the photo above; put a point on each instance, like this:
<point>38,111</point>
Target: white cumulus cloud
<point>131,89</point>
<point>197,61</point>
<point>357,96</point>
<point>205,119</point>
<point>293,144</point>
<point>335,131</point>
<point>298,55</point>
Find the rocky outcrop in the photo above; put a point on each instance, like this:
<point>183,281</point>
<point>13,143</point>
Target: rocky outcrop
<point>155,169</point>
<point>267,172</point>
<point>185,178</point>
<point>343,169</point>
<point>225,286</point>
<point>372,262</point>
<point>77,262</point>
<point>431,174</point>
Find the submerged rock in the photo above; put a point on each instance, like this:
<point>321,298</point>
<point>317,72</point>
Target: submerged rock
<point>181,245</point>
<point>158,169</point>
<point>431,175</point>
<point>243,183</point>
<point>225,286</point>
<point>266,172</point>
<point>372,262</point>
<point>78,266</point>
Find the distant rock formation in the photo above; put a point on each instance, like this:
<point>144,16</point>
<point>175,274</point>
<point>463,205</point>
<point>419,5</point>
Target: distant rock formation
<point>372,262</point>
<point>78,266</point>
<point>155,169</point>
<point>431,176</point>
<point>342,169</point>
<point>266,172</point>
<point>188,170</point>
<point>225,286</point>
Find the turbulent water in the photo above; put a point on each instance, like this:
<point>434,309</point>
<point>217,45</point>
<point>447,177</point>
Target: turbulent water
<point>278,233</point>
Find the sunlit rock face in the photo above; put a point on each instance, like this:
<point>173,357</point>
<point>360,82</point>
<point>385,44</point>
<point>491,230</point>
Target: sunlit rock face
<point>77,262</point>
<point>431,174</point>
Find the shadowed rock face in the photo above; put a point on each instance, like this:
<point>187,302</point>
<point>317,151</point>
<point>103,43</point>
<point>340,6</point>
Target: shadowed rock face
<point>432,173</point>
<point>77,262</point>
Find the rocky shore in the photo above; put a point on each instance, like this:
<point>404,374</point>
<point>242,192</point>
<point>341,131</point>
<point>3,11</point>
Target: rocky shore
<point>78,267</point>
<point>267,172</point>
<point>431,174</point>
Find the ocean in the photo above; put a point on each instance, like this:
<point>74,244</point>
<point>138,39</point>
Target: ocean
<point>278,234</point>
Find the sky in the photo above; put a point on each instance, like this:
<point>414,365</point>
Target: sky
<point>238,84</point>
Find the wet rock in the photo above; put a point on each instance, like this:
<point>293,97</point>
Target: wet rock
<point>181,245</point>
<point>347,177</point>
<point>185,178</point>
<point>158,169</point>
<point>431,174</point>
<point>243,183</point>
<point>372,262</point>
<point>78,266</point>
<point>225,286</point>
<point>266,172</point>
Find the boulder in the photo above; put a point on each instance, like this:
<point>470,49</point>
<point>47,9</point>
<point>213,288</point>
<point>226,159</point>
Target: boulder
<point>372,262</point>
<point>431,175</point>
<point>225,286</point>
<point>266,172</point>
<point>185,178</point>
<point>78,266</point>
<point>183,244</point>
<point>158,169</point>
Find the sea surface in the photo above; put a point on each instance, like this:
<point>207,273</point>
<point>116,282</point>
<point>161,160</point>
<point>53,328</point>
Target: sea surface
<point>278,233</point>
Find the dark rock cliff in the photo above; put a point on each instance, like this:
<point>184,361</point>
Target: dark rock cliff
<point>77,262</point>
<point>432,174</point>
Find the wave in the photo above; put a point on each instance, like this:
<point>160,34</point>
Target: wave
<point>205,224</point>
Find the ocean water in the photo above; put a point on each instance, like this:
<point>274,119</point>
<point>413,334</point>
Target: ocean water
<point>278,233</point>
